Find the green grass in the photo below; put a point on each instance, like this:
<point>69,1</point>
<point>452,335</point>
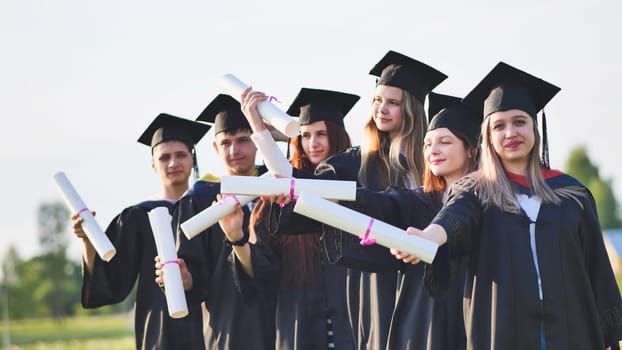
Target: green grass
<point>81,332</point>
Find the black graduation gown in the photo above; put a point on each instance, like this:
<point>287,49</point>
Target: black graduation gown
<point>418,321</point>
<point>235,320</point>
<point>370,295</point>
<point>582,305</point>
<point>302,307</point>
<point>111,282</point>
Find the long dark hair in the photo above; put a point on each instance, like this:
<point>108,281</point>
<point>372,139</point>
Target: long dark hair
<point>298,252</point>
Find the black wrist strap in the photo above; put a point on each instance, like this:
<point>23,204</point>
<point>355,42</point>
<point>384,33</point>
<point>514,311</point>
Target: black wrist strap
<point>242,241</point>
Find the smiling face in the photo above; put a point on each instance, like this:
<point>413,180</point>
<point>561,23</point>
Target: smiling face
<point>445,154</point>
<point>387,109</point>
<point>172,161</point>
<point>237,151</point>
<point>314,139</point>
<point>512,137</point>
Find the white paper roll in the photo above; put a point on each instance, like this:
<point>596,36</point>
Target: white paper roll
<point>259,186</point>
<point>273,157</point>
<point>234,87</point>
<point>93,231</point>
<point>160,221</point>
<point>211,215</point>
<point>357,224</point>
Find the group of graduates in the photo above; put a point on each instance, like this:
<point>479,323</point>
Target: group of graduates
<point>521,262</point>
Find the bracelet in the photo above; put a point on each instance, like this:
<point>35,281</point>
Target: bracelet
<point>242,241</point>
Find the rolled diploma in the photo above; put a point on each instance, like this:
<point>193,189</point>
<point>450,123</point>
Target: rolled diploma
<point>272,155</point>
<point>259,186</point>
<point>234,87</point>
<point>93,231</point>
<point>210,216</point>
<point>160,221</point>
<point>357,224</point>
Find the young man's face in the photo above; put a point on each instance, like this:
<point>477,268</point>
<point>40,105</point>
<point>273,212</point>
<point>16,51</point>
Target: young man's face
<point>237,151</point>
<point>172,161</point>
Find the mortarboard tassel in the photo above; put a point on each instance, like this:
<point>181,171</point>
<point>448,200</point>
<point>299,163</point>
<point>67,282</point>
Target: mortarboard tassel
<point>545,143</point>
<point>287,153</point>
<point>196,164</point>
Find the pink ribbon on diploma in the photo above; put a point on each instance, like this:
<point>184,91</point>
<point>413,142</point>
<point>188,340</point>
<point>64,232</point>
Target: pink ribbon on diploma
<point>291,192</point>
<point>365,240</point>
<point>81,210</point>
<point>225,196</point>
<point>170,262</point>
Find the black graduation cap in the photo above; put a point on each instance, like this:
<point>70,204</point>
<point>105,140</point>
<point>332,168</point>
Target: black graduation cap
<point>312,105</point>
<point>225,113</point>
<point>166,127</point>
<point>506,87</point>
<point>449,112</point>
<point>401,71</point>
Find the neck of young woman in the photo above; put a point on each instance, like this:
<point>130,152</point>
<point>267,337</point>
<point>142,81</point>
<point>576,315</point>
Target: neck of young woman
<point>518,167</point>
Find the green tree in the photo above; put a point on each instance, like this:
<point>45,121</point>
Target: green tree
<point>55,289</point>
<point>580,166</point>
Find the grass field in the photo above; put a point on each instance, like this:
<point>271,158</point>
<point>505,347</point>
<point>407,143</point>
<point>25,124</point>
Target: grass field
<point>76,333</point>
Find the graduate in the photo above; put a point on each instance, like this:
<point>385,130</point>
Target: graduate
<point>311,296</point>
<point>236,317</point>
<point>390,155</point>
<point>538,275</point>
<point>172,141</point>
<point>451,150</point>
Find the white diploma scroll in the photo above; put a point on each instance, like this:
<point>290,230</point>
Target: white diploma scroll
<point>211,215</point>
<point>76,205</point>
<point>160,221</point>
<point>234,87</point>
<point>273,157</point>
<point>359,224</point>
<point>259,186</point>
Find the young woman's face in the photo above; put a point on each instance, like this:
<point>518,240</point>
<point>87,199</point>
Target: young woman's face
<point>445,154</point>
<point>387,109</point>
<point>314,139</point>
<point>512,137</point>
<point>172,162</point>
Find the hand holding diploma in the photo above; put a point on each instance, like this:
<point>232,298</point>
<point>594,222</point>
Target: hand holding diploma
<point>160,221</point>
<point>212,214</point>
<point>433,233</point>
<point>370,230</point>
<point>186,276</point>
<point>76,205</point>
<point>234,87</point>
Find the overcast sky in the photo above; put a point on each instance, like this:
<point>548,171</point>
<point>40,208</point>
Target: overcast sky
<point>80,80</point>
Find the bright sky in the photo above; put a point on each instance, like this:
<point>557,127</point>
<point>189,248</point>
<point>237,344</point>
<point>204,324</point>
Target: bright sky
<point>80,80</point>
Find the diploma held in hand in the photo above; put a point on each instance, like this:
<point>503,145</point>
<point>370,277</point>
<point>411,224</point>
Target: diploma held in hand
<point>93,231</point>
<point>260,186</point>
<point>358,224</point>
<point>211,215</point>
<point>234,87</point>
<point>160,221</point>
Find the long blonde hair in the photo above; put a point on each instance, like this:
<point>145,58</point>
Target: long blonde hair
<point>381,164</point>
<point>492,184</point>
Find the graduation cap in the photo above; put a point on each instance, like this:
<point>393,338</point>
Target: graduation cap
<point>505,88</point>
<point>166,127</point>
<point>312,105</point>
<point>401,71</point>
<point>225,113</point>
<point>449,112</point>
